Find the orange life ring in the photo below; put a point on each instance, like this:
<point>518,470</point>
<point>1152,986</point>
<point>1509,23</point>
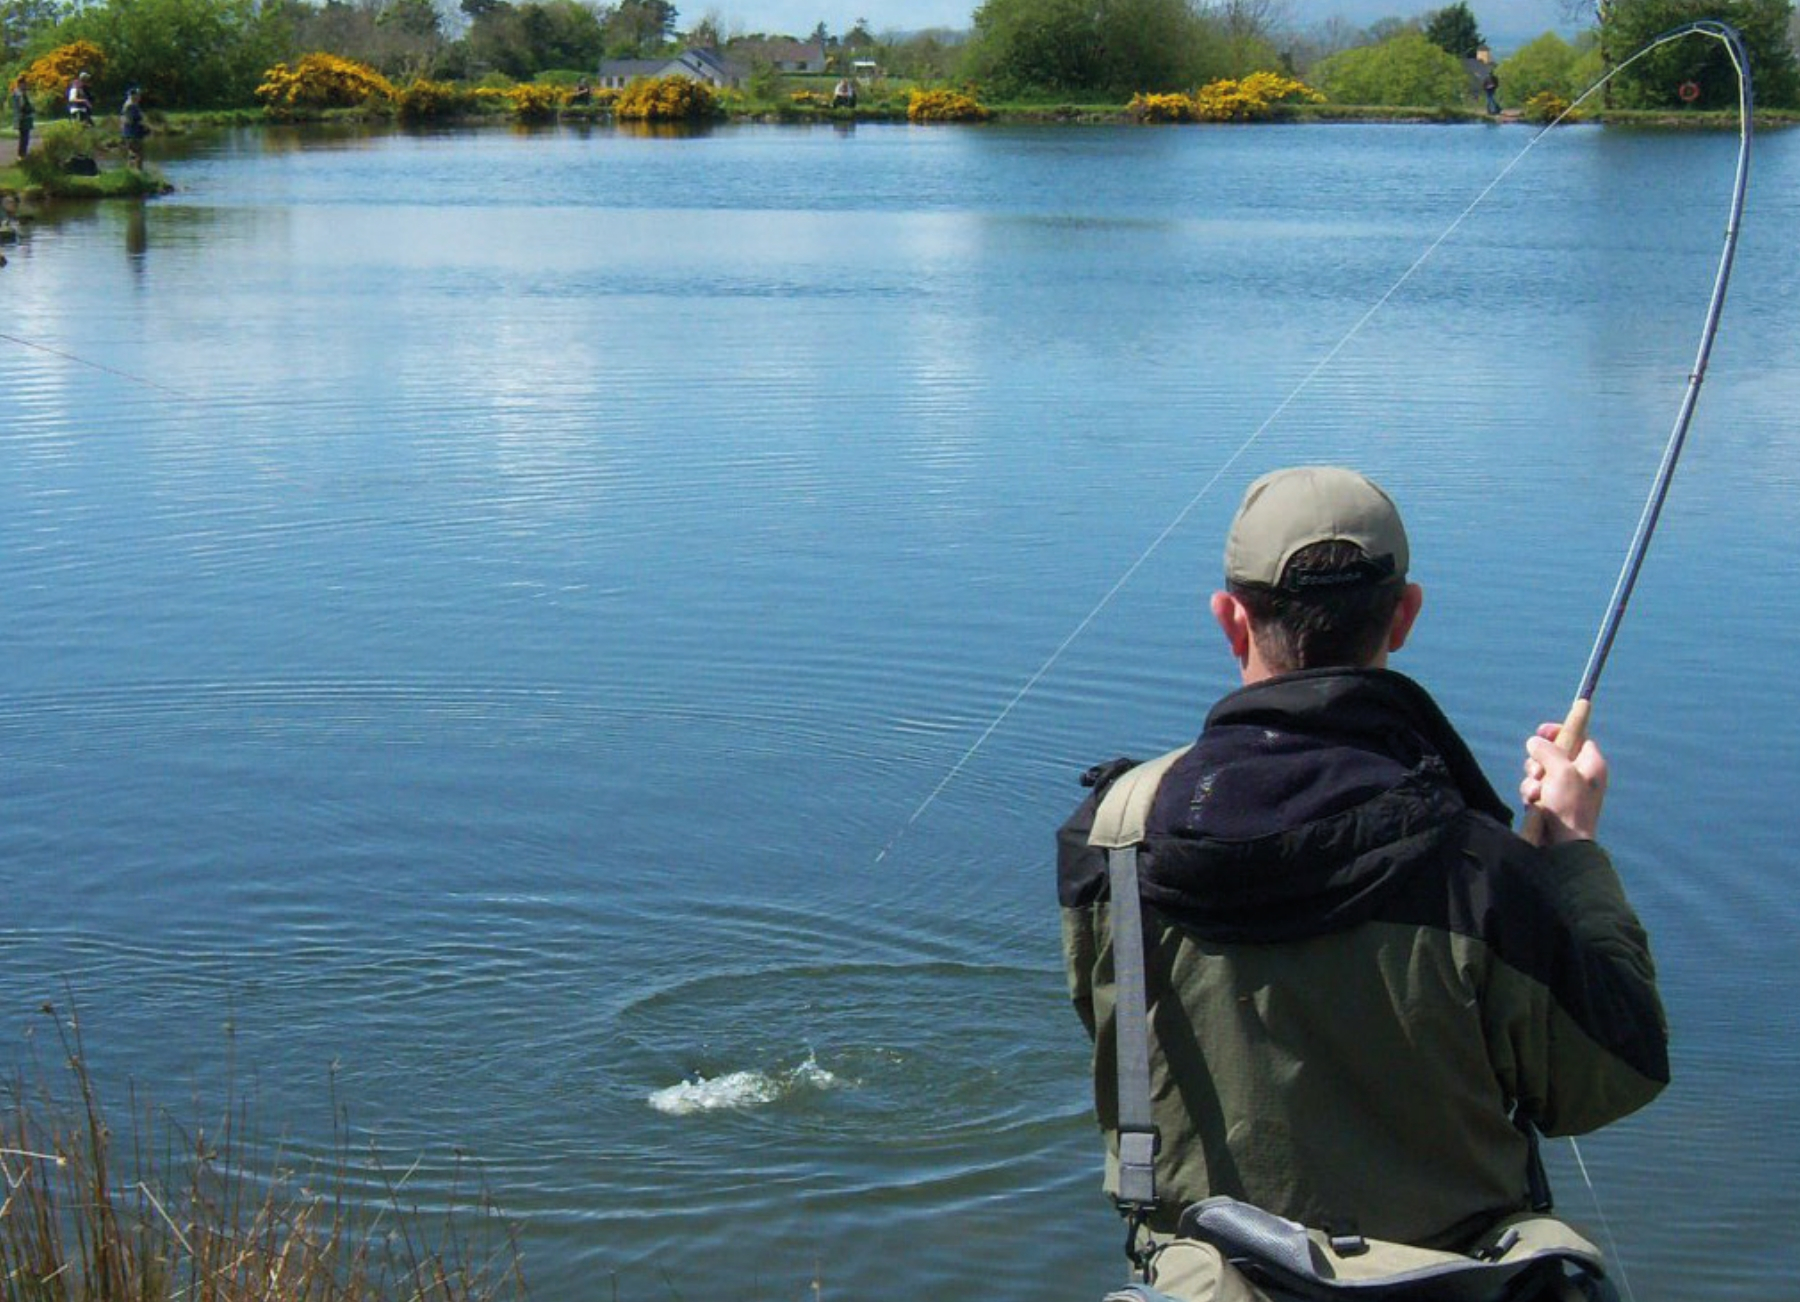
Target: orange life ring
<point>1689,92</point>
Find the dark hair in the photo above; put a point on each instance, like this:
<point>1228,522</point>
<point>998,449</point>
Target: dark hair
<point>1324,626</point>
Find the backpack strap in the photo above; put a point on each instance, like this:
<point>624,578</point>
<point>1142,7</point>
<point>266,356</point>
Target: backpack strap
<point>1125,809</point>
<point>1119,829</point>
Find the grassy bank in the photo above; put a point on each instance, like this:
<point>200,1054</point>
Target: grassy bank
<point>112,183</point>
<point>204,1213</point>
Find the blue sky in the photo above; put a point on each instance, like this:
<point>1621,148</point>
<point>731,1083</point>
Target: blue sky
<point>1502,20</point>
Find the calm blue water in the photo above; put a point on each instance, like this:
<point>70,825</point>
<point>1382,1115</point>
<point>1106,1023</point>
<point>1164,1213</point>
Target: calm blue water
<point>574,644</point>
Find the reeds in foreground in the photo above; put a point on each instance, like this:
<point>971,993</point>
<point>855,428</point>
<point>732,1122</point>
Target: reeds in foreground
<point>201,1218</point>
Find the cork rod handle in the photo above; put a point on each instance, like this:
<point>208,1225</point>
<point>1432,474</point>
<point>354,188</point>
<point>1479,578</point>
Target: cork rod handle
<point>1574,733</point>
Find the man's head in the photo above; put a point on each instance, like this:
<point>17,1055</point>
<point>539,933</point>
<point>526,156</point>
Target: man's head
<point>1315,574</point>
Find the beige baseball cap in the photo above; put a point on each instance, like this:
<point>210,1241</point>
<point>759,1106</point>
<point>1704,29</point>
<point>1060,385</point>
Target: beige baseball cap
<point>1287,510</point>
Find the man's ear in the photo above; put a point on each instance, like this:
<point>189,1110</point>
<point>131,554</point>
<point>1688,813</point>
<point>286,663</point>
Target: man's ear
<point>1412,596</point>
<point>1233,619</point>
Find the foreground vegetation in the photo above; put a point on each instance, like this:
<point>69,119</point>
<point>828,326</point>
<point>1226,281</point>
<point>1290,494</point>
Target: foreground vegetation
<point>204,1214</point>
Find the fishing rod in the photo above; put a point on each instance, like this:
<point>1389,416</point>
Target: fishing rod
<point>1574,731</point>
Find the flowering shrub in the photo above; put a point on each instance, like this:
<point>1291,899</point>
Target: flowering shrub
<point>944,106</point>
<point>666,99</point>
<point>810,99</point>
<point>55,70</point>
<point>534,102</point>
<point>1545,106</point>
<point>1160,108</point>
<point>321,81</point>
<point>421,101</point>
<point>1252,98</point>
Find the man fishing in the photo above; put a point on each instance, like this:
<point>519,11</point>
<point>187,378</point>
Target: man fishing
<point>1363,988</point>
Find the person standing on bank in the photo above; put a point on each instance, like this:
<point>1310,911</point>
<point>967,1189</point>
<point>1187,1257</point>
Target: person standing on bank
<point>133,128</point>
<point>1361,983</point>
<point>81,100</point>
<point>24,114</point>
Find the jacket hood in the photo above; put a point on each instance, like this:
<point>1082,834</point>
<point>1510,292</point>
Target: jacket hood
<point>1306,803</point>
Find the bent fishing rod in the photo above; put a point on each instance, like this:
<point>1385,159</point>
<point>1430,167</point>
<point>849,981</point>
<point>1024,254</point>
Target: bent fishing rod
<point>1574,731</point>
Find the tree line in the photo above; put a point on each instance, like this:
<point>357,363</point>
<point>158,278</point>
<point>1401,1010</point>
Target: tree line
<point>1073,48</point>
<point>213,53</point>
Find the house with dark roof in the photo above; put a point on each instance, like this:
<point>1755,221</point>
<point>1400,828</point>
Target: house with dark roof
<point>781,55</point>
<point>694,63</point>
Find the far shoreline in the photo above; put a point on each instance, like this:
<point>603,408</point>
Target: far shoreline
<point>15,186</point>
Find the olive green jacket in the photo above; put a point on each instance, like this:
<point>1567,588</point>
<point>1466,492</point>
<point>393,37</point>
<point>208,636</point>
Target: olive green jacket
<point>1347,1006</point>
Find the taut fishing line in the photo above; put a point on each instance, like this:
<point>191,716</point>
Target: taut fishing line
<point>99,366</point>
<point>1628,577</point>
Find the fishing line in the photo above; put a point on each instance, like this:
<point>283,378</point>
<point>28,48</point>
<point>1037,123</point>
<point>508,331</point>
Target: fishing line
<point>1612,1240</point>
<point>1705,27</point>
<point>1181,516</point>
<point>99,366</point>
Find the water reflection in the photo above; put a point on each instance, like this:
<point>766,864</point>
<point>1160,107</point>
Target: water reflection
<point>137,236</point>
<point>664,130</point>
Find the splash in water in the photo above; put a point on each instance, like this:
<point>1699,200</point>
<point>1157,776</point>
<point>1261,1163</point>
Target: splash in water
<point>741,1089</point>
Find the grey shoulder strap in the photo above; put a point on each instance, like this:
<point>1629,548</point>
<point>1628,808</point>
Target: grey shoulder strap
<point>1118,829</point>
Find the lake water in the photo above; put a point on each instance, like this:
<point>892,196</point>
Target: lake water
<point>573,644</point>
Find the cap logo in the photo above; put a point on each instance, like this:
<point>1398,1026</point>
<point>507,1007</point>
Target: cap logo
<point>1372,569</point>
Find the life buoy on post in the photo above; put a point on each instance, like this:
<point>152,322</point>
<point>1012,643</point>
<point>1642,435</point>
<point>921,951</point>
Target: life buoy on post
<point>1689,91</point>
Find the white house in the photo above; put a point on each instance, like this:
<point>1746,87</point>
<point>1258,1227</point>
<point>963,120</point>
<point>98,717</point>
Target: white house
<point>694,63</point>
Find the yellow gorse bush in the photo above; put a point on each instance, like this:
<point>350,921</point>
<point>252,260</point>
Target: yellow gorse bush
<point>321,81</point>
<point>532,102</point>
<point>944,106</point>
<point>1545,106</point>
<point>1160,108</point>
<point>1251,98</point>
<point>422,100</point>
<point>55,70</point>
<point>666,99</point>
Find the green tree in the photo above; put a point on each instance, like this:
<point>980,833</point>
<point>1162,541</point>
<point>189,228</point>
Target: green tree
<point>1071,47</point>
<point>1453,29</point>
<point>638,28</point>
<point>709,32</point>
<point>524,40</point>
<point>413,17</point>
<point>184,53</point>
<point>1552,64</point>
<point>20,20</point>
<point>1247,30</point>
<point>402,40</point>
<point>1655,81</point>
<point>1156,45</point>
<point>931,55</point>
<point>1048,46</point>
<point>1407,70</point>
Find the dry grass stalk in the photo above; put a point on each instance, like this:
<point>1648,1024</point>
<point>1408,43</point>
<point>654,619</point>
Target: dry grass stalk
<point>195,1222</point>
